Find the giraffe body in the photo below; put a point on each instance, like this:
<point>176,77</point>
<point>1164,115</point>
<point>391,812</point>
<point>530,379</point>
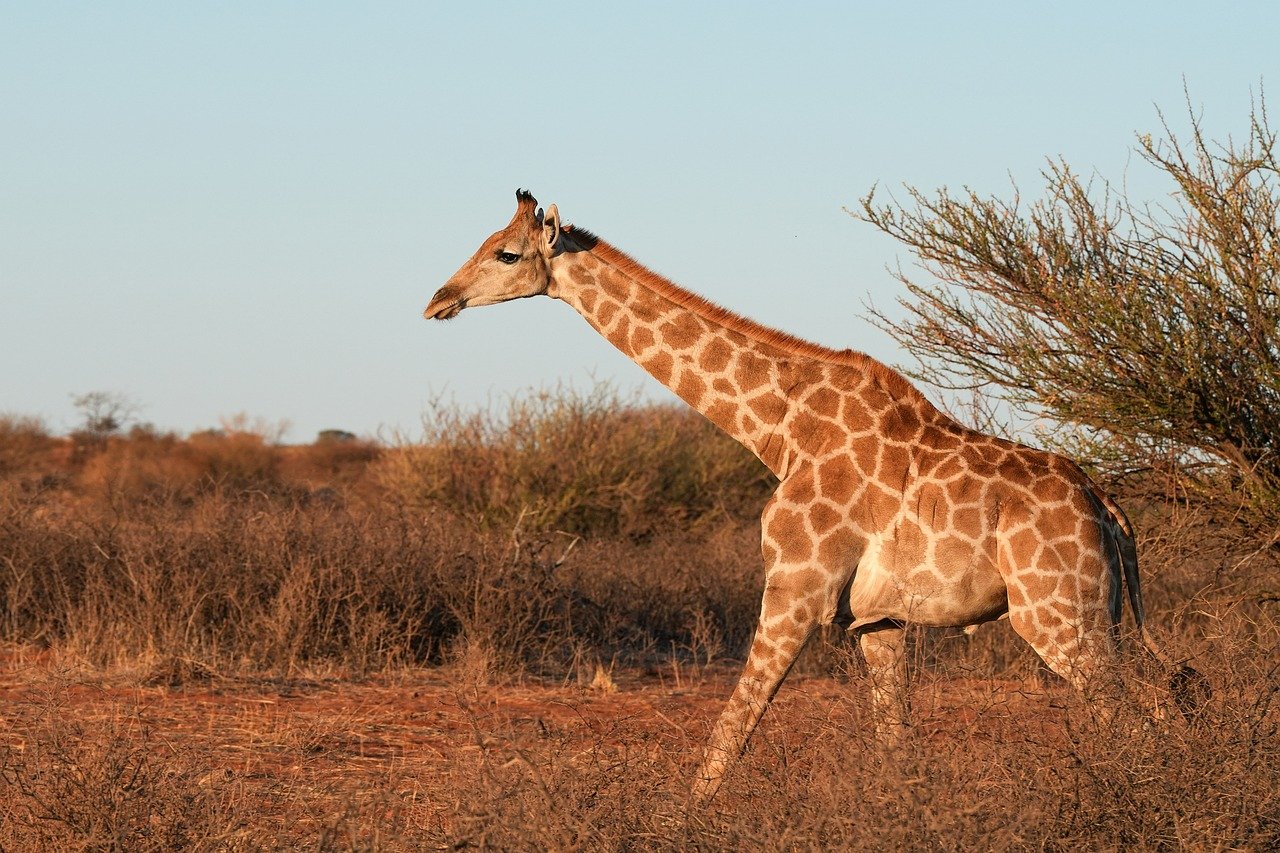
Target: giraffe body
<point>888,512</point>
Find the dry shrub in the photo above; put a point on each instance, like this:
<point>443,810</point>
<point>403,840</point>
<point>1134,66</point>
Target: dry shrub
<point>239,461</point>
<point>330,462</point>
<point>145,466</point>
<point>673,596</point>
<point>106,784</point>
<point>588,464</point>
<point>24,444</point>
<point>255,584</point>
<point>998,772</point>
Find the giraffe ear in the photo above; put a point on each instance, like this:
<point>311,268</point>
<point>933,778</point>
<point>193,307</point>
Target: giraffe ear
<point>550,230</point>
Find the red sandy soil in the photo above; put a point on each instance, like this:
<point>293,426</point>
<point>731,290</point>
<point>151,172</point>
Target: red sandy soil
<point>304,752</point>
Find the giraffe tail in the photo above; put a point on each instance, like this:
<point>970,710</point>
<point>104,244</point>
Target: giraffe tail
<point>1189,687</point>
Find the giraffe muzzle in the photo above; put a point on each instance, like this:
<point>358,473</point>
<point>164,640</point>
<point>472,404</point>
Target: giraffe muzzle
<point>444,306</point>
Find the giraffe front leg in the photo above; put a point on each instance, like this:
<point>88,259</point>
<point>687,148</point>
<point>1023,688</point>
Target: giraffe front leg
<point>788,617</point>
<point>885,651</point>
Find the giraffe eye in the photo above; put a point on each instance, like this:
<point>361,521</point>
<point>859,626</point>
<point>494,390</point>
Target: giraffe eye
<point>508,257</point>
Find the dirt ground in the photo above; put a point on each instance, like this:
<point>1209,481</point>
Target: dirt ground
<point>337,762</point>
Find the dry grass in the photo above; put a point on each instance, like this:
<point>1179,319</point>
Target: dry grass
<point>221,643</point>
<point>585,464</point>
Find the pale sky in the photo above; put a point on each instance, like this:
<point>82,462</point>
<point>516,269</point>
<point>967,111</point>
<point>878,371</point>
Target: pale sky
<point>243,207</point>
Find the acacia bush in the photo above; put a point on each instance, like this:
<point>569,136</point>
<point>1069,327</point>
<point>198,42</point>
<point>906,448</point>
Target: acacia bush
<point>586,464</point>
<point>1155,330</point>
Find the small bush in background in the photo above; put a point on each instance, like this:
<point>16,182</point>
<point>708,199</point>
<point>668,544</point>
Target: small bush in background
<point>587,464</point>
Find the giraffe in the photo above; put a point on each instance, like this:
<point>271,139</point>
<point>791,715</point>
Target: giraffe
<point>887,511</point>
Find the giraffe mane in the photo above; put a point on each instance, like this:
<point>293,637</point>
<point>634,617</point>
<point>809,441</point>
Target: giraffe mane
<point>889,378</point>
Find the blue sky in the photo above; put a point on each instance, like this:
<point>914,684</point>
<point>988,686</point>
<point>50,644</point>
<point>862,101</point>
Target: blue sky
<point>243,207</point>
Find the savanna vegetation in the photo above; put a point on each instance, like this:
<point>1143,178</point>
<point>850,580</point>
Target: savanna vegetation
<point>517,631</point>
<point>568,624</point>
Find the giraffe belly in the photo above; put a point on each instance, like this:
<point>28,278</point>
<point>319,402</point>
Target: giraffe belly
<point>939,584</point>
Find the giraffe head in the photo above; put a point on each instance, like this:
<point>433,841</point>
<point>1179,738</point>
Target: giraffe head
<point>512,264</point>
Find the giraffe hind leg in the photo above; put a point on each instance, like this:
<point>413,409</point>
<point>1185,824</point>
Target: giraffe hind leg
<point>885,653</point>
<point>1082,653</point>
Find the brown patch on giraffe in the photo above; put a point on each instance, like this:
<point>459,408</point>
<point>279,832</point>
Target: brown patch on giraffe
<point>769,407</point>
<point>1017,601</point>
<point>776,598</point>
<point>786,529</point>
<point>839,548</point>
<point>641,339</point>
<point>894,464</point>
<point>1037,585</point>
<point>788,645</point>
<point>805,581</point>
<point>980,464</point>
<point>682,332</point>
<point>800,490</point>
<point>715,356</point>
<point>950,467</point>
<point>823,517</point>
<point>961,490</point>
<point>902,422</point>
<point>588,299</point>
<point>1023,546</point>
<point>1068,586</point>
<point>926,460</point>
<point>874,396</point>
<point>838,479</point>
<point>606,313</point>
<point>1068,552</point>
<point>645,313</point>
<point>801,614</point>
<point>747,423</point>
<point>824,402</point>
<point>581,275</point>
<point>1067,635</point>
<point>1056,521</point>
<point>910,548</point>
<point>1047,617</point>
<point>620,334</point>
<point>1053,489</point>
<point>856,416</point>
<point>879,507</point>
<point>939,438</point>
<point>723,414</point>
<point>752,371</point>
<point>952,553</point>
<point>691,387</point>
<point>967,518</point>
<point>1014,469</point>
<point>724,386</point>
<point>865,449</point>
<point>660,367</point>
<point>810,433</point>
<point>619,291</point>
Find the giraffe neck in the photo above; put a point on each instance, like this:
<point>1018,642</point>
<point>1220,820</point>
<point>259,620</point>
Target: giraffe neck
<point>736,380</point>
